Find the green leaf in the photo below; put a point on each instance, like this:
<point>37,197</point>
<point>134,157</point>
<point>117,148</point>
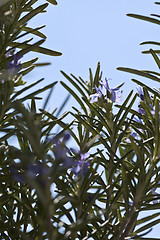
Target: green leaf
<point>147,97</point>
<point>91,79</point>
<point>125,186</point>
<point>3,2</point>
<point>144,18</point>
<point>13,26</point>
<point>156,58</point>
<point>36,49</point>
<point>31,95</point>
<point>28,70</point>
<point>63,105</point>
<point>29,63</point>
<point>148,218</point>
<point>139,72</point>
<point>97,76</point>
<point>81,83</point>
<point>124,131</point>
<point>42,64</point>
<point>96,133</point>
<point>59,121</point>
<point>25,89</point>
<point>150,42</point>
<point>147,226</point>
<point>52,2</point>
<point>29,48</point>
<point>99,114</point>
<point>142,238</point>
<point>152,72</point>
<point>31,14</point>
<point>8,135</point>
<point>122,108</point>
<point>157,134</point>
<point>29,30</point>
<point>74,84</point>
<point>148,51</point>
<point>48,98</point>
<point>146,86</point>
<point>47,51</point>
<point>67,214</point>
<point>75,96</point>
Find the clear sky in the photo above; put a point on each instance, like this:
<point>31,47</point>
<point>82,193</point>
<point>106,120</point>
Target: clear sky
<point>89,31</point>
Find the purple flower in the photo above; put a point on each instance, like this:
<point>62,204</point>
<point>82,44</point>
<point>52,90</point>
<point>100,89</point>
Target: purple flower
<point>14,66</point>
<point>115,93</point>
<point>30,171</point>
<point>81,166</point>
<point>140,92</point>
<point>61,152</point>
<point>94,97</point>
<point>35,169</point>
<point>61,155</point>
<point>60,149</point>
<point>69,158</point>
<point>66,137</point>
<point>141,110</point>
<point>141,95</point>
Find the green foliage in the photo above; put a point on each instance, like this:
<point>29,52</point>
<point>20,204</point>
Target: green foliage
<point>126,165</point>
<point>96,190</point>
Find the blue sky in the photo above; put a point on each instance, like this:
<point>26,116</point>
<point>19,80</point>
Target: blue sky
<point>89,31</point>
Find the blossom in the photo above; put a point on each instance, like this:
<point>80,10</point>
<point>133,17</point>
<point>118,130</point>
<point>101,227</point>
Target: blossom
<point>140,92</point>
<point>141,110</point>
<point>115,93</point>
<point>36,169</point>
<point>61,151</point>
<point>94,97</point>
<point>142,97</point>
<point>32,170</point>
<point>81,166</point>
<point>15,65</point>
<point>69,158</point>
<point>66,137</point>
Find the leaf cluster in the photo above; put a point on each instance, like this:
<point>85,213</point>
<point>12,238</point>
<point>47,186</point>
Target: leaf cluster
<point>95,190</point>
